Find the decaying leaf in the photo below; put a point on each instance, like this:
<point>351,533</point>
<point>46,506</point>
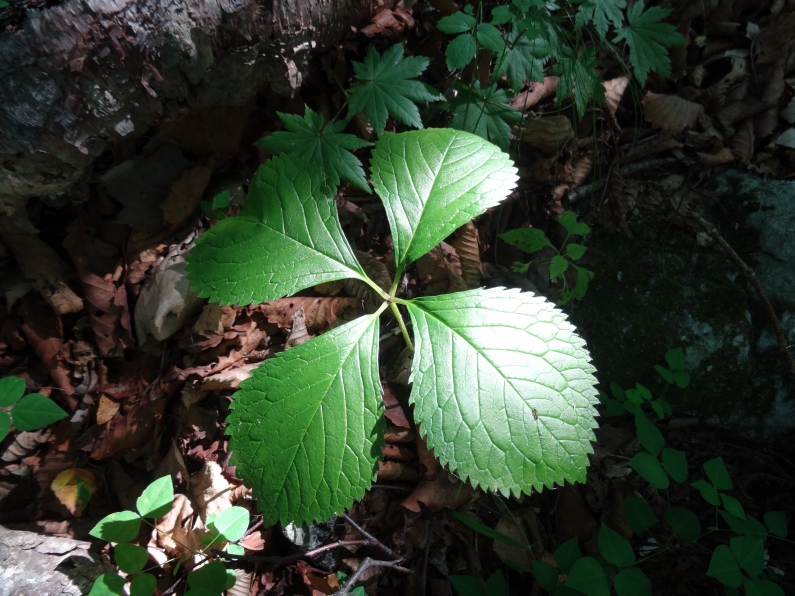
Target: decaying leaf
<point>467,248</point>
<point>444,491</point>
<point>74,488</point>
<point>132,429</point>
<point>548,134</point>
<point>214,318</point>
<point>614,91</point>
<point>185,196</point>
<point>742,143</point>
<point>397,471</point>
<point>390,22</point>
<point>104,291</point>
<point>106,409</point>
<point>320,313</point>
<point>535,93</point>
<point>439,271</point>
<point>229,378</point>
<point>298,334</point>
<point>392,408</point>
<point>46,271</point>
<point>670,112</point>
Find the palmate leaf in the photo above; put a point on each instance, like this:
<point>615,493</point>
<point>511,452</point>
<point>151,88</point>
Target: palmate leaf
<point>286,239</point>
<point>306,427</point>
<point>524,60</point>
<point>307,137</point>
<point>502,389</point>
<point>648,38</point>
<point>577,73</point>
<point>486,113</point>
<point>601,13</point>
<point>387,89</point>
<point>433,182</point>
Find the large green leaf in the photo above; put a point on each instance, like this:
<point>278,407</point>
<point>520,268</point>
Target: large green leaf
<point>306,426</point>
<point>308,137</point>
<point>286,239</point>
<point>502,388</point>
<point>387,88</point>
<point>434,181</point>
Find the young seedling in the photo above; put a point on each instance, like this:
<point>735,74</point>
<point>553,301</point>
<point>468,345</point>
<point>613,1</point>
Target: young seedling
<point>502,384</point>
<point>31,412</point>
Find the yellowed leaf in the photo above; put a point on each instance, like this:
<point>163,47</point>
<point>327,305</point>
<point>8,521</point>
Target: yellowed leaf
<point>74,488</point>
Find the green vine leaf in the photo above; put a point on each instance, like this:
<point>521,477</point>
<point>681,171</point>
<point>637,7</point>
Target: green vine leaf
<point>287,238</point>
<point>387,88</point>
<point>502,389</point>
<point>306,427</point>
<point>485,112</point>
<point>309,138</point>
<point>433,182</point>
<point>648,39</point>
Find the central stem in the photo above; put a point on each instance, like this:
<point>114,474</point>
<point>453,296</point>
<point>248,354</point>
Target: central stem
<point>403,329</point>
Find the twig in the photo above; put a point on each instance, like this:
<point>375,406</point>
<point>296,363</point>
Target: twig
<point>298,556</point>
<point>372,538</point>
<point>424,575</point>
<point>751,277</point>
<point>364,566</point>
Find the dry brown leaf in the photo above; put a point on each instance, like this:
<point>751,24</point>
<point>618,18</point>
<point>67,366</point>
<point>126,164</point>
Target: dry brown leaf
<point>775,41</point>
<point>74,488</point>
<point>213,318</point>
<point>444,491</point>
<point>580,173</point>
<point>319,312</point>
<point>389,22</point>
<point>430,465</point>
<point>574,516</point>
<point>393,470</point>
<point>548,134</point>
<point>106,409</point>
<point>766,123</point>
<point>439,273</point>
<point>723,156</point>
<point>399,435</point>
<point>659,145</point>
<point>377,271</point>
<point>257,540</point>
<point>43,330</point>
<point>742,143</point>
<point>508,527</point>
<point>467,248</point>
<point>185,195</point>
<point>211,490</point>
<point>535,93</point>
<point>392,408</point>
<point>299,333</point>
<point>229,378</point>
<point>670,112</point>
<point>740,110</point>
<point>180,533</point>
<point>397,452</point>
<point>105,294</point>
<point>132,429</point>
<point>614,91</point>
<point>47,272</point>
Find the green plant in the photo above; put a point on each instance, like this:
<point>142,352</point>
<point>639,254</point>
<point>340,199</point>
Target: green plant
<point>469,585</point>
<point>531,240</point>
<point>28,412</point>
<point>209,577</point>
<point>502,387</point>
<point>217,207</point>
<point>740,562</point>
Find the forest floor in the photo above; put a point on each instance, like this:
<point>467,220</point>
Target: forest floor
<point>98,315</point>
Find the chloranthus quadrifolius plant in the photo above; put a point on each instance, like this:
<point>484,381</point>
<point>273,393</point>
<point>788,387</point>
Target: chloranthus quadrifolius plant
<point>502,384</point>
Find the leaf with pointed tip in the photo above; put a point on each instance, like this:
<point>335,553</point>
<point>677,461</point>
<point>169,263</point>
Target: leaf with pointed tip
<point>286,239</point>
<point>36,411</point>
<point>578,74</point>
<point>388,88</point>
<point>502,389</point>
<point>601,13</point>
<point>11,390</point>
<point>157,499</point>
<point>484,112</point>
<point>305,429</point>
<point>524,59</point>
<point>434,181</point>
<point>308,137</point>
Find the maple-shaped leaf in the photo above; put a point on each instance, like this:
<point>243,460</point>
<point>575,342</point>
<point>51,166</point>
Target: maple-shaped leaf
<point>524,59</point>
<point>308,137</point>
<point>387,88</point>
<point>577,73</point>
<point>485,112</point>
<point>648,39</point>
<point>601,13</point>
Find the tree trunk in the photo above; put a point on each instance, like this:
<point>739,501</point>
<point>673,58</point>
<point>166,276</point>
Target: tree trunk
<point>84,74</point>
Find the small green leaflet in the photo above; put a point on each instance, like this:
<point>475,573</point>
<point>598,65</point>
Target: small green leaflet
<point>232,523</point>
<point>11,390</point>
<point>461,51</point>
<point>36,411</point>
<point>433,182</point>
<point>578,73</point>
<point>458,22</point>
<point>601,13</point>
<point>309,138</point>
<point>306,427</point>
<point>157,499</point>
<point>522,425</point>
<point>286,239</point>
<point>387,89</point>
<point>485,112</point>
<point>524,59</point>
<point>648,38</point>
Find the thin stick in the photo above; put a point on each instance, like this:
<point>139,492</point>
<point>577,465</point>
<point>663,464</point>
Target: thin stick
<point>364,566</point>
<point>370,537</point>
<point>751,277</point>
